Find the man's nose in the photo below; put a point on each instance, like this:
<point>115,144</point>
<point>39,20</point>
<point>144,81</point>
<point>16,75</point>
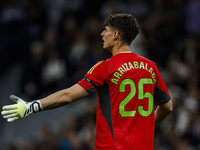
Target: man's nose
<point>102,33</point>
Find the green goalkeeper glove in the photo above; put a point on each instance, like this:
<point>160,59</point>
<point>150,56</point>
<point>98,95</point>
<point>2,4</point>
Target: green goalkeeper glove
<point>21,109</point>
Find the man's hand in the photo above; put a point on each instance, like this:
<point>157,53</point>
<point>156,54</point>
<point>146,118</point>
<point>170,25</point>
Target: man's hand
<point>21,109</point>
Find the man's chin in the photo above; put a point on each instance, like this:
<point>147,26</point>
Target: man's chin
<point>106,47</point>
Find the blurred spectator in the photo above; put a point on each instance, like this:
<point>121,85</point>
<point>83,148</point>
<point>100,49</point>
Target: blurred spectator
<point>138,44</point>
<point>36,20</point>
<point>46,140</point>
<point>53,71</point>
<point>190,51</point>
<point>54,9</point>
<point>32,72</point>
<point>69,138</point>
<point>79,46</point>
<point>88,131</point>
<point>49,39</point>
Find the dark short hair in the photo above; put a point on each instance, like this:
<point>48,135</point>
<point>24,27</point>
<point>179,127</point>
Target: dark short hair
<point>126,24</point>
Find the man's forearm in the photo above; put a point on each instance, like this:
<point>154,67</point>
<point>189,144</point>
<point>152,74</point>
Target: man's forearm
<point>63,97</point>
<point>55,100</point>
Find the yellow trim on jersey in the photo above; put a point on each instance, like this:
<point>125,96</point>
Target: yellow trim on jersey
<point>91,70</point>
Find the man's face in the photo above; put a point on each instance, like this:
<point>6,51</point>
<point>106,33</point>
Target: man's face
<point>108,38</point>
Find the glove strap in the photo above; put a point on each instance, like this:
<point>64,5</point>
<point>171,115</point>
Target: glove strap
<point>34,106</point>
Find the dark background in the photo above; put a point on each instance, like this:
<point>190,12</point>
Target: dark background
<point>48,45</point>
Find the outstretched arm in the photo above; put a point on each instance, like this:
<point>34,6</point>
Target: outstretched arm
<point>162,111</point>
<point>58,99</point>
<point>63,97</point>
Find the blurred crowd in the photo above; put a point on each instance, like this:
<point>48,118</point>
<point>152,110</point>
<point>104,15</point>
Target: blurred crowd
<point>57,41</point>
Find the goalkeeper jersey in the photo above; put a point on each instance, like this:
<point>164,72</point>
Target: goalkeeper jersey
<point>127,87</point>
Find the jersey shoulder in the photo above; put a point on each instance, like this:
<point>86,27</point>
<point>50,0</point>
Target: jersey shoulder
<point>99,66</point>
<point>99,73</point>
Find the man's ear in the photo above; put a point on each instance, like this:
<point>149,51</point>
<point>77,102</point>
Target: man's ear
<point>116,35</point>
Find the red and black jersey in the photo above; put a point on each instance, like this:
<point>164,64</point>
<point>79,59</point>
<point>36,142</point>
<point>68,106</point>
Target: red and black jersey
<point>127,86</point>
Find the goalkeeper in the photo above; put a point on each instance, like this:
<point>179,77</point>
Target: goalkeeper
<point>127,87</point>
<point>23,109</point>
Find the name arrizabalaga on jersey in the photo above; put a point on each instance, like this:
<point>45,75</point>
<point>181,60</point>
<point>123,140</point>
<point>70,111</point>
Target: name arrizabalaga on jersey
<point>132,65</point>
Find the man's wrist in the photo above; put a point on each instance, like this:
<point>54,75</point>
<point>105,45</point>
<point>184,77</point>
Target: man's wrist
<point>36,106</point>
<point>33,107</point>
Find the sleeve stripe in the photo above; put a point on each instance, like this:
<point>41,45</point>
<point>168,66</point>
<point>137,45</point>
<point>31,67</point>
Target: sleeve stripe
<point>91,70</point>
<point>91,91</point>
<point>88,80</point>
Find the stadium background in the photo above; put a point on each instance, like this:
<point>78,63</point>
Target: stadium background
<point>48,45</point>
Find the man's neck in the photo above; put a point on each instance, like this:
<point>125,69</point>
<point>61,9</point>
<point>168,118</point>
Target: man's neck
<point>120,48</point>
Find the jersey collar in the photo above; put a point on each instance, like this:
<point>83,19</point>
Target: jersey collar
<point>124,52</point>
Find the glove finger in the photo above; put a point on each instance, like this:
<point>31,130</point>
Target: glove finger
<point>15,98</point>
<point>12,119</point>
<point>10,116</point>
<point>10,107</point>
<point>4,113</point>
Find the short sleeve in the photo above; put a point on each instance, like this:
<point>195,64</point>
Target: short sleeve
<point>161,94</point>
<point>95,77</point>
